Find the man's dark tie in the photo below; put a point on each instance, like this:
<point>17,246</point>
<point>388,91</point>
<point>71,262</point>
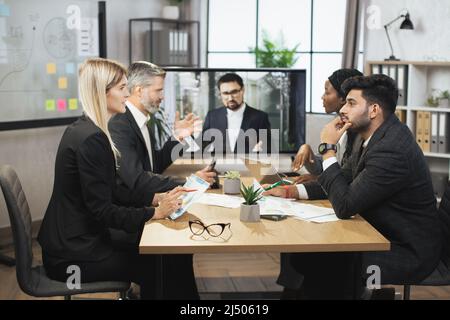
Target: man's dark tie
<point>348,148</point>
<point>361,150</point>
<point>151,132</point>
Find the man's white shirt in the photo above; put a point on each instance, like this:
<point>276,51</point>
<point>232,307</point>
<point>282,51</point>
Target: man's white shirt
<point>234,124</point>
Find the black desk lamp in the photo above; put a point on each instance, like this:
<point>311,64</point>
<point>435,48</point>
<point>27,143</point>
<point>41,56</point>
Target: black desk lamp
<point>406,25</point>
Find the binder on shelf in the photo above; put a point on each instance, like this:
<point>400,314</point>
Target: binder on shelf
<point>171,47</point>
<point>393,72</point>
<point>183,52</point>
<point>426,131</point>
<point>402,84</point>
<point>401,115</point>
<point>400,74</point>
<point>186,48</point>
<point>163,47</point>
<point>434,132</point>
<point>375,69</point>
<point>443,133</point>
<point>176,47</point>
<point>419,129</point>
<point>180,48</point>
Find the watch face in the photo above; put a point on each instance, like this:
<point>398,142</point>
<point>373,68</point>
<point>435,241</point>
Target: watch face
<point>322,148</point>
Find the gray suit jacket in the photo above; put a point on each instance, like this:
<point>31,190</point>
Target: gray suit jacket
<point>390,186</point>
<point>135,172</point>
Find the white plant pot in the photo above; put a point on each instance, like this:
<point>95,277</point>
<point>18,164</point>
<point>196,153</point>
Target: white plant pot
<point>171,12</point>
<point>232,186</point>
<point>443,103</point>
<point>250,213</point>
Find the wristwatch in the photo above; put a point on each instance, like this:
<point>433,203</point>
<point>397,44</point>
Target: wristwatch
<point>324,147</point>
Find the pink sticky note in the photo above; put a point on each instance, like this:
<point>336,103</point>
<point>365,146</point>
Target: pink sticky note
<point>62,105</point>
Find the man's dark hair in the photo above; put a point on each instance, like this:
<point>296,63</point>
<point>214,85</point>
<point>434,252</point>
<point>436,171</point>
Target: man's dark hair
<point>378,88</point>
<point>230,77</point>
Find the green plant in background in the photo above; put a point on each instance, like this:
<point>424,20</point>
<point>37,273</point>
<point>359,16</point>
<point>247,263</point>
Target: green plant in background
<point>161,131</point>
<point>251,196</point>
<point>445,95</point>
<point>232,175</point>
<point>274,54</point>
<point>432,101</point>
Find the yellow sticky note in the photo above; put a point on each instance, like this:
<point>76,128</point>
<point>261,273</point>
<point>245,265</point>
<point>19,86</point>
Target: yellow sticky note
<point>51,68</point>
<point>62,83</point>
<point>73,104</point>
<point>50,105</point>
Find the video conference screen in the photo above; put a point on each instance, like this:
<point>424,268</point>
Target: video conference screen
<point>278,92</point>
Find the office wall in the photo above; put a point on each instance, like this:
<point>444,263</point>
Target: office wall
<point>32,154</point>
<point>430,39</point>
<point>118,12</point>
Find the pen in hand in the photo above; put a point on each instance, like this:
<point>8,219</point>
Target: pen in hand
<point>276,184</point>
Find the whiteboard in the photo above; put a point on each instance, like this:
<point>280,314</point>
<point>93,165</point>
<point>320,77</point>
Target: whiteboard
<point>42,44</point>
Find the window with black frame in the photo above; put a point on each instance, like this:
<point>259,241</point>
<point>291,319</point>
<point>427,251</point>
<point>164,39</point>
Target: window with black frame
<point>235,27</point>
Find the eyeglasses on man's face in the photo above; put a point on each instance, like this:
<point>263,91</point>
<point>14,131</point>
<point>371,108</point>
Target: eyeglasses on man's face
<point>214,230</point>
<point>233,93</point>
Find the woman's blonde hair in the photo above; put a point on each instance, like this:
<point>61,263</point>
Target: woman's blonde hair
<point>95,77</point>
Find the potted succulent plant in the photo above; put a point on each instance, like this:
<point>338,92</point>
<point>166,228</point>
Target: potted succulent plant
<point>232,182</point>
<point>250,208</point>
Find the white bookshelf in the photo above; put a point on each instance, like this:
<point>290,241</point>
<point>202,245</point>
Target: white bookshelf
<point>423,77</point>
<point>430,109</point>
<point>437,155</point>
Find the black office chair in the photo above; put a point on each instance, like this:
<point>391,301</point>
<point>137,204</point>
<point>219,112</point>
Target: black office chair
<point>33,279</point>
<point>8,261</point>
<point>440,276</point>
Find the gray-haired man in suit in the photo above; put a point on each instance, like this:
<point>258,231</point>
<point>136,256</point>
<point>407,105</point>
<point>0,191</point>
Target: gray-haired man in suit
<point>387,182</point>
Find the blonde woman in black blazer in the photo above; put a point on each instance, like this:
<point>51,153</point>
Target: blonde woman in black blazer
<point>86,201</point>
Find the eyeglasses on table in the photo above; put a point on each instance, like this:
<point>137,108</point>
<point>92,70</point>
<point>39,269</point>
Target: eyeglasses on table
<point>214,230</point>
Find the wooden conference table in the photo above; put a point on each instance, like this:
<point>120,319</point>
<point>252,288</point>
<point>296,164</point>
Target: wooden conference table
<point>289,235</point>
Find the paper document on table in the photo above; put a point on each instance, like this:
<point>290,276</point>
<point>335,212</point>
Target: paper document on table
<point>323,219</point>
<point>276,206</point>
<point>306,212</point>
<point>220,200</point>
<point>193,182</point>
<point>279,206</point>
<point>313,213</point>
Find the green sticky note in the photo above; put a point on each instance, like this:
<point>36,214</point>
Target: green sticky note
<point>50,105</point>
<point>73,104</point>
